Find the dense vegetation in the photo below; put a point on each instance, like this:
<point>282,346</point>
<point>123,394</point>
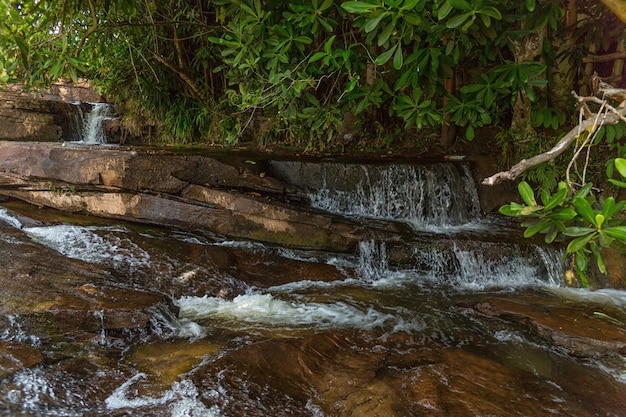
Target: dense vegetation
<point>324,73</point>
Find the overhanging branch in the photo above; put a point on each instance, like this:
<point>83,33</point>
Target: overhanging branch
<point>591,123</point>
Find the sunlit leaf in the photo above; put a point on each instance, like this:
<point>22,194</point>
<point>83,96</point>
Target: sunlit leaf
<point>358,6</point>
<point>527,193</point>
<point>579,243</point>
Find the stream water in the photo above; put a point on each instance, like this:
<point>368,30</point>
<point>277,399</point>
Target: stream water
<point>404,327</point>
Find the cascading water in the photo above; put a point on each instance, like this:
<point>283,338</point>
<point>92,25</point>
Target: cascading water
<point>407,325</point>
<point>435,195</point>
<point>89,124</point>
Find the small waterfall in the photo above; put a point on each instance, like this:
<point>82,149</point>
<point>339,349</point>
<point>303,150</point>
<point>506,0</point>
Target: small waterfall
<point>438,195</point>
<point>89,125</point>
<point>372,263</point>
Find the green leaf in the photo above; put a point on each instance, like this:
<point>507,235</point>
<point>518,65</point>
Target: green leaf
<point>579,243</point>
<point>444,11</point>
<point>384,57</point>
<point>583,192</point>
<point>530,5</point>
<point>600,262</point>
<point>491,12</point>
<point>616,232</point>
<point>563,214</point>
<point>575,231</point>
<point>457,21</point>
<point>358,7</point>
<point>373,23</point>
<point>557,199</point>
<point>581,262</point>
<point>398,58</point>
<point>527,193</point>
<point>542,227</point>
<point>409,4</point>
<point>317,57</point>
<point>585,210</point>
<point>460,4</point>
<point>621,184</point>
<point>620,164</point>
<point>599,220</point>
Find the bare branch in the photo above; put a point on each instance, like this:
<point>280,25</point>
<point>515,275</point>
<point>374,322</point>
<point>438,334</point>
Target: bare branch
<point>592,122</point>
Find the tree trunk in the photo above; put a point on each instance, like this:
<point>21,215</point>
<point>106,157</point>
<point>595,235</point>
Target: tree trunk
<point>526,50</point>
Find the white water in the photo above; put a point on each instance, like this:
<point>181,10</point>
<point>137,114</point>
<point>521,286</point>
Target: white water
<point>182,399</point>
<point>439,195</point>
<point>90,124</point>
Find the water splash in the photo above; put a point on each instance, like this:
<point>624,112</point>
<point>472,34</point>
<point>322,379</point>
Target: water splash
<point>264,310</point>
<point>183,399</point>
<point>93,244</point>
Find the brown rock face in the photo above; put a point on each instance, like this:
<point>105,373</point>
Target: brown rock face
<point>165,189</point>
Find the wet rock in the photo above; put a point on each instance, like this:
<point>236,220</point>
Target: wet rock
<point>15,356</point>
<point>576,331</point>
<point>360,374</point>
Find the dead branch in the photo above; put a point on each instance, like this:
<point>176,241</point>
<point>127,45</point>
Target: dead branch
<point>592,122</point>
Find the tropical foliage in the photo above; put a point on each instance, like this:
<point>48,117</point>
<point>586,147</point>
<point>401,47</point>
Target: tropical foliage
<point>289,71</point>
<point>301,72</point>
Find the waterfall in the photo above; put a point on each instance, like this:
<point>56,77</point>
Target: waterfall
<point>89,125</point>
<point>437,195</point>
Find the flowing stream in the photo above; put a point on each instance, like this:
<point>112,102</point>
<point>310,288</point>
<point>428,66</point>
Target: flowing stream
<point>451,318</point>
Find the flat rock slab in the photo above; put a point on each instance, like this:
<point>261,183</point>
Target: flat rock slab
<point>193,192</point>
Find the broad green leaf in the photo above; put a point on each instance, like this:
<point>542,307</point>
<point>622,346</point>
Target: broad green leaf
<point>620,164</point>
<point>527,193</point>
<point>563,214</point>
<point>605,240</point>
<point>616,232</point>
<point>358,7</point>
<point>529,210</point>
<point>460,4</point>
<point>583,192</point>
<point>398,58</point>
<point>458,20</point>
<point>508,211</point>
<point>373,23</point>
<point>530,5</point>
<point>384,57</point>
<point>542,227</point>
<point>317,57</point>
<point>608,208</point>
<point>409,4</point>
<point>621,184</point>
<point>575,231</point>
<point>581,263</point>
<point>491,12</point>
<point>557,199</point>
<point>444,11</point>
<point>579,243</point>
<point>585,210</point>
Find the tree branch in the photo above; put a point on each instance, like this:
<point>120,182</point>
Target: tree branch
<point>186,79</point>
<point>92,28</point>
<point>590,124</point>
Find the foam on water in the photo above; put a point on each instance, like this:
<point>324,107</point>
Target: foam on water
<point>183,399</point>
<point>9,219</point>
<point>253,310</point>
<point>86,244</point>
